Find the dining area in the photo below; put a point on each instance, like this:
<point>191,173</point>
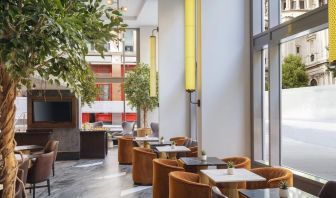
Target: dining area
<point>177,169</point>
<point>36,167</point>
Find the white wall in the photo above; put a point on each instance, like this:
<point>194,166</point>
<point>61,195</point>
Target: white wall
<point>226,78</point>
<point>145,33</point>
<point>174,109</point>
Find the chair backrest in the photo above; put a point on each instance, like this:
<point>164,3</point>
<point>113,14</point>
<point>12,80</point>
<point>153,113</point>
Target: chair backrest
<point>155,129</point>
<point>178,140</point>
<point>161,170</point>
<point>24,167</point>
<point>128,127</point>
<point>274,176</point>
<point>239,162</point>
<point>125,150</point>
<point>42,168</point>
<point>18,186</point>
<point>216,193</point>
<point>184,184</point>
<point>328,190</point>
<point>52,145</point>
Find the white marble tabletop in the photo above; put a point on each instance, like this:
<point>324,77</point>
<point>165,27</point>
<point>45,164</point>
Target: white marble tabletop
<point>148,139</point>
<point>168,149</point>
<point>239,175</point>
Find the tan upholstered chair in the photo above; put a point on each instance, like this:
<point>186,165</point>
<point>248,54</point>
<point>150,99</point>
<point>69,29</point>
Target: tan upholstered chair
<point>273,177</point>
<point>178,140</point>
<point>161,170</point>
<point>239,162</point>
<point>143,166</point>
<point>184,184</point>
<point>125,150</point>
<point>216,193</point>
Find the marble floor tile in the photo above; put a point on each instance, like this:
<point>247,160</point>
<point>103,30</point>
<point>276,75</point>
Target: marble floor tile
<point>93,179</point>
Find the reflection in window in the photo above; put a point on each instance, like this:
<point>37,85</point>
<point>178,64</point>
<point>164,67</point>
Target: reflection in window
<point>266,107</point>
<point>308,112</point>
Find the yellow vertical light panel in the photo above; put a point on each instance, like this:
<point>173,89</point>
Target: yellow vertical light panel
<point>190,45</point>
<point>152,63</point>
<point>332,31</point>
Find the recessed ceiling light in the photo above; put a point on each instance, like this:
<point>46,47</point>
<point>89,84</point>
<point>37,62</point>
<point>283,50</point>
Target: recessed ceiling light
<point>124,8</point>
<point>110,2</point>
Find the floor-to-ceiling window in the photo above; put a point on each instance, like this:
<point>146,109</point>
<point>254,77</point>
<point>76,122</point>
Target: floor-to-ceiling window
<point>293,87</point>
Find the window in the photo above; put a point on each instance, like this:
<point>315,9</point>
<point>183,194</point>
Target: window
<point>302,4</point>
<point>293,4</point>
<point>308,127</point>
<point>265,124</point>
<point>298,49</point>
<point>284,4</point>
<point>104,92</point>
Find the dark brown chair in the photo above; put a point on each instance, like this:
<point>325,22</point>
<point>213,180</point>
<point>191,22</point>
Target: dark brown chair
<point>328,190</point>
<point>273,177</point>
<point>125,150</point>
<point>161,170</point>
<point>178,140</point>
<point>23,166</point>
<point>184,184</point>
<point>52,146</point>
<point>19,187</point>
<point>40,171</point>
<point>143,166</point>
<point>216,193</point>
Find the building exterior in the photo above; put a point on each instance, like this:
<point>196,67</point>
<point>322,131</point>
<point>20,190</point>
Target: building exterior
<point>312,48</point>
<point>111,106</point>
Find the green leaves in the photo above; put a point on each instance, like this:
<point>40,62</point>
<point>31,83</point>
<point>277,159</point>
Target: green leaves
<point>294,72</point>
<point>49,38</point>
<point>137,88</point>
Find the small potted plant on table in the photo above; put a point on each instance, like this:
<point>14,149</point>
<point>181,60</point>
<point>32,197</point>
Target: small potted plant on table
<point>230,166</point>
<point>173,144</point>
<point>162,140</point>
<point>204,156</point>
<point>283,189</point>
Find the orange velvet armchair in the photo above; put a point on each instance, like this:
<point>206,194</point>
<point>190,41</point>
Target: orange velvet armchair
<point>125,150</point>
<point>142,171</point>
<point>273,177</point>
<point>184,184</point>
<point>239,162</point>
<point>161,170</point>
<point>178,140</point>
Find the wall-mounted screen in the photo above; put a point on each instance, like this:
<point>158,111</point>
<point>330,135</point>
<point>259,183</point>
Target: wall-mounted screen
<point>52,111</point>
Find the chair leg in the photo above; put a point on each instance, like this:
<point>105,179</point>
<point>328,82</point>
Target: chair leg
<point>53,168</point>
<point>48,182</point>
<point>33,190</point>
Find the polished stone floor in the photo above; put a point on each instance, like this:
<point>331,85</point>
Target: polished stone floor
<point>94,179</point>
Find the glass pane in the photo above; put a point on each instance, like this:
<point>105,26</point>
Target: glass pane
<point>265,15</point>
<point>308,107</point>
<point>266,89</point>
<point>290,9</point>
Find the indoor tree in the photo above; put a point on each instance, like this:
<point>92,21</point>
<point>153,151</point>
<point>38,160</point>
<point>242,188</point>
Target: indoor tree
<point>47,39</point>
<point>137,86</point>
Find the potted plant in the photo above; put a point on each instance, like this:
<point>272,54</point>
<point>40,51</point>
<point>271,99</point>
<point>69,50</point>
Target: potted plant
<point>283,189</point>
<point>173,144</point>
<point>137,88</point>
<point>230,166</point>
<point>204,156</point>
<point>47,41</point>
<point>162,140</point>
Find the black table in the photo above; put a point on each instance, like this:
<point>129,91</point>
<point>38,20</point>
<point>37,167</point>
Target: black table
<point>274,193</point>
<point>195,164</point>
<point>155,144</point>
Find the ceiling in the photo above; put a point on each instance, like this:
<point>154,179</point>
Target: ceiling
<point>139,12</point>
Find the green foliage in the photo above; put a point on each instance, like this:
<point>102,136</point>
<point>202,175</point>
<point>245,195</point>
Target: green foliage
<point>294,72</point>
<point>230,164</point>
<point>48,38</point>
<point>137,86</point>
<point>203,152</point>
<point>283,185</point>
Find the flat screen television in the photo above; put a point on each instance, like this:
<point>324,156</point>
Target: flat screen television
<point>52,112</point>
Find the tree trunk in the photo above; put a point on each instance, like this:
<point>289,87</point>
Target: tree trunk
<point>145,111</point>
<point>7,112</point>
